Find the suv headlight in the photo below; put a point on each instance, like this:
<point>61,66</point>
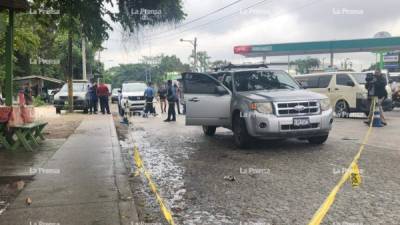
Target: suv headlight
<point>263,107</point>
<point>325,104</point>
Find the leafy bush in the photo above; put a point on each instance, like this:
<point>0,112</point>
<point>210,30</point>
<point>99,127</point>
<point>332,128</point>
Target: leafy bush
<point>37,101</point>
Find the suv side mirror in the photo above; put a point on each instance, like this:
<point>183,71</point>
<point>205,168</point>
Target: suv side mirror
<point>351,83</point>
<point>221,90</point>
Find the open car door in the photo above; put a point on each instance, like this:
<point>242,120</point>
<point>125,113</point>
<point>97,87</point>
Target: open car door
<point>207,100</point>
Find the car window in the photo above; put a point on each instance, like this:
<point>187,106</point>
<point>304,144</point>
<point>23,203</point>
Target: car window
<point>324,81</point>
<point>263,80</point>
<point>199,84</point>
<point>343,79</point>
<point>308,82</point>
<point>228,81</point>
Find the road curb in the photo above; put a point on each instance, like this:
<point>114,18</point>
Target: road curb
<point>127,208</point>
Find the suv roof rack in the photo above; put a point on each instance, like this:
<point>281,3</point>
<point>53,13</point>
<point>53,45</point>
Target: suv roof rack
<point>239,66</point>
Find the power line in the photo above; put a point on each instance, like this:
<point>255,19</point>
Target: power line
<point>209,14</point>
<point>216,20</point>
<point>222,18</point>
<point>199,18</point>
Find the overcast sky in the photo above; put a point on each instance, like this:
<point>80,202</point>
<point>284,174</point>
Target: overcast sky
<point>271,21</point>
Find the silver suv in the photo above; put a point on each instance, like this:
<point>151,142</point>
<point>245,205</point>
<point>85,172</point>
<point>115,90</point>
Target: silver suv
<point>257,102</point>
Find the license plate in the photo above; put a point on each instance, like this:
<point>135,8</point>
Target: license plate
<point>300,122</point>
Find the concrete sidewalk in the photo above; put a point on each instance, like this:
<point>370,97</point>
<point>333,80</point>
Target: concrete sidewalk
<point>84,183</point>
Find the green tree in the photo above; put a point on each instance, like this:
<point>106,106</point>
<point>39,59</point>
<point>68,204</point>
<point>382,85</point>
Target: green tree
<point>137,72</point>
<point>88,17</point>
<point>304,65</point>
<point>203,61</point>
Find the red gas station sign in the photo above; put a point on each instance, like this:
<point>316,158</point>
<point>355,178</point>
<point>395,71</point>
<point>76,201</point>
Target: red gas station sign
<point>242,49</point>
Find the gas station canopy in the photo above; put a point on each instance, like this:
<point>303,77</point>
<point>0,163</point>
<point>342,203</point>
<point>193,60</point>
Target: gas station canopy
<point>320,47</point>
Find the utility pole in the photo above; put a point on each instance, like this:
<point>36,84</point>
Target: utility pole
<point>70,69</point>
<point>194,43</point>
<point>195,53</point>
<point>84,75</point>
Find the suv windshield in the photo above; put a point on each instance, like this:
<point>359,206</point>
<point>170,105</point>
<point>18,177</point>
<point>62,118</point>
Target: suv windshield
<point>114,92</point>
<point>263,80</point>
<point>132,87</point>
<point>76,87</point>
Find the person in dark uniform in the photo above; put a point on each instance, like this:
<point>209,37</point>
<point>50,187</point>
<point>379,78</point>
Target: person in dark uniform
<point>376,86</point>
<point>171,97</point>
<point>93,98</point>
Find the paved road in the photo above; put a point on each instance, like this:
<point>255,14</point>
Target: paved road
<point>276,183</point>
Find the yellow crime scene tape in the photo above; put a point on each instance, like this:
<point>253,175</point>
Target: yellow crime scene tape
<point>352,173</point>
<point>164,209</point>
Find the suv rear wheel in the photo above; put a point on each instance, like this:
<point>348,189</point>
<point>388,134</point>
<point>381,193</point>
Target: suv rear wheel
<point>241,136</point>
<point>318,140</point>
<point>58,110</point>
<point>209,130</point>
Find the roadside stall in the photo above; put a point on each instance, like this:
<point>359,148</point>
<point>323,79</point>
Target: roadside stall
<point>17,122</point>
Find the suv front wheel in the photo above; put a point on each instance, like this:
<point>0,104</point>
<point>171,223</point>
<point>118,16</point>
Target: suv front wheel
<point>241,136</point>
<point>209,130</point>
<point>318,140</point>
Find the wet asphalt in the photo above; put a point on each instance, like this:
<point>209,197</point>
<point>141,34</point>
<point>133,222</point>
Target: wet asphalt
<point>281,182</point>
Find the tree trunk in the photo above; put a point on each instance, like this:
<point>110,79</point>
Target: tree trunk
<point>70,75</point>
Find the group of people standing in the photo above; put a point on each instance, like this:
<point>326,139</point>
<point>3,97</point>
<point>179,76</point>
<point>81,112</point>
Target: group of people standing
<point>98,93</point>
<point>168,94</point>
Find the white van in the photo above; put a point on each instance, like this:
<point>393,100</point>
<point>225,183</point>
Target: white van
<point>346,90</point>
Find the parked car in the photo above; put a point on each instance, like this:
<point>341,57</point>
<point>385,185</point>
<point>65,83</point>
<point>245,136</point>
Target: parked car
<point>256,103</point>
<point>133,96</point>
<point>80,89</point>
<point>345,90</point>
<point>114,95</point>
